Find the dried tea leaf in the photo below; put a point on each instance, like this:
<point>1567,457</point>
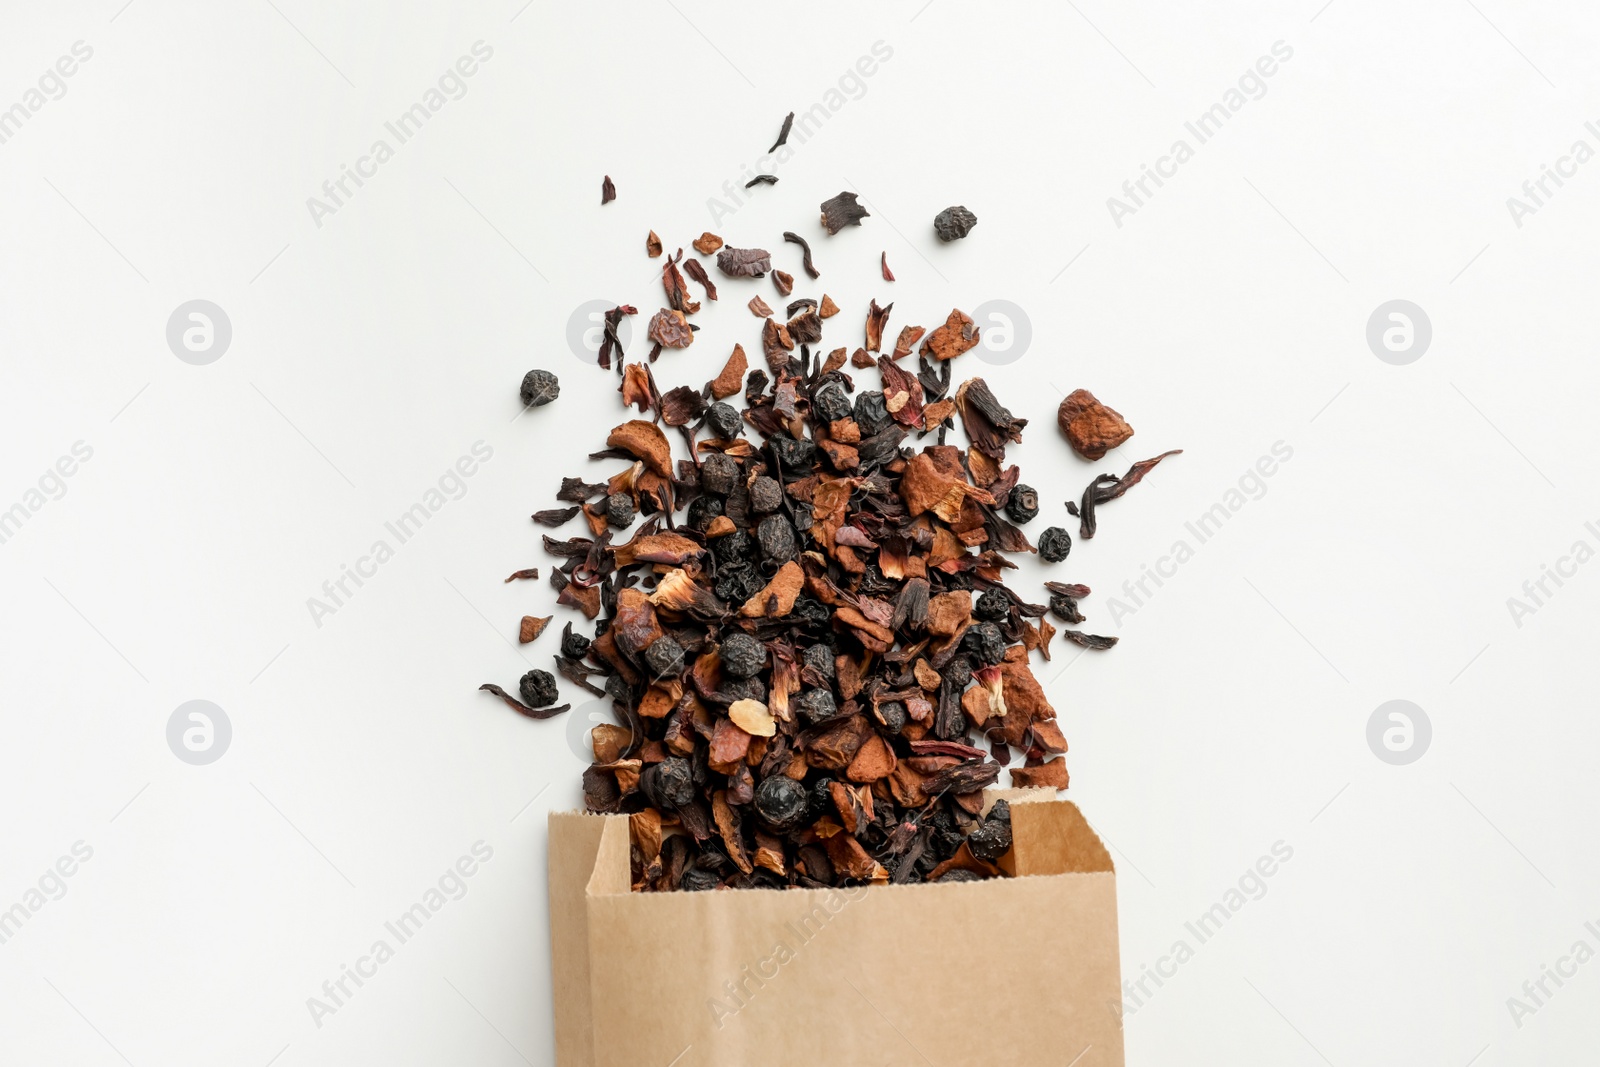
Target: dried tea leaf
<point>693,269</point>
<point>608,191</point>
<point>519,707</point>
<point>1109,487</point>
<point>761,179</point>
<point>1094,641</point>
<point>841,211</point>
<point>783,134</point>
<point>883,262</point>
<point>805,251</point>
<point>531,572</point>
<point>877,319</point>
<point>1091,428</point>
<point>552,517</point>
<point>652,245</point>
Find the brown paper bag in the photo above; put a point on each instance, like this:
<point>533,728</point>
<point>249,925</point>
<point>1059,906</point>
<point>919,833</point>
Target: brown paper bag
<point>1019,971</point>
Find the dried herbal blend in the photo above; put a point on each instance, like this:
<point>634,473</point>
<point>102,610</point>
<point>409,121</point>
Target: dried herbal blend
<point>792,587</point>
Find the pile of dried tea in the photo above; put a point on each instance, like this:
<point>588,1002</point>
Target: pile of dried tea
<point>799,616</point>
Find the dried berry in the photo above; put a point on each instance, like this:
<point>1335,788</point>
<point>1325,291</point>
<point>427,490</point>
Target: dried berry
<point>697,879</point>
<point>992,606</point>
<point>744,262</point>
<point>539,387</point>
<point>793,454</point>
<point>539,689</point>
<point>719,474</point>
<point>732,548</point>
<point>991,839</point>
<point>742,655</point>
<point>871,414</point>
<point>892,715</point>
<point>815,705</point>
<point>766,495</point>
<point>819,658</point>
<point>723,420</point>
<point>664,657</point>
<point>830,403</point>
<point>1054,544</point>
<point>985,643</point>
<point>702,510</point>
<point>776,537</point>
<point>959,874</point>
<point>619,510</point>
<point>1023,504</point>
<point>573,646</point>
<point>1066,609</point>
<point>669,784</point>
<point>781,802</point>
<point>954,223</point>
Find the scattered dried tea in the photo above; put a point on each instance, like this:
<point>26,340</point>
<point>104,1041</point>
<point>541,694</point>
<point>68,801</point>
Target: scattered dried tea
<point>783,134</point>
<point>954,223</point>
<point>805,252</point>
<point>539,387</point>
<point>744,262</point>
<point>608,191</point>
<point>1091,428</point>
<point>841,211</point>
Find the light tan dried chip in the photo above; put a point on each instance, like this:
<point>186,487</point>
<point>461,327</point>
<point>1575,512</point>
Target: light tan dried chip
<point>759,307</point>
<point>753,718</point>
<point>783,589</point>
<point>532,627</point>
<point>827,309</point>
<point>646,441</point>
<point>707,243</point>
<point>731,379</point>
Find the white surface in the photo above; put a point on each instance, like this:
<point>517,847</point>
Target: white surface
<point>1227,314</point>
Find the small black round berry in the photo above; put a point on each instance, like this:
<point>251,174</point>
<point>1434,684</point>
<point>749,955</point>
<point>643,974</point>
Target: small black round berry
<point>539,689</point>
<point>742,655</point>
<point>664,657</point>
<point>539,387</point>
<point>766,495</point>
<point>1054,544</point>
<point>1023,504</point>
<point>719,474</point>
<point>723,419</point>
<point>992,606</point>
<point>619,510</point>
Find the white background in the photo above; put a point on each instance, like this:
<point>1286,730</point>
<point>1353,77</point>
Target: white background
<point>1227,314</point>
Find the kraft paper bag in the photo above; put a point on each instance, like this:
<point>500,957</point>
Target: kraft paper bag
<point>1020,971</point>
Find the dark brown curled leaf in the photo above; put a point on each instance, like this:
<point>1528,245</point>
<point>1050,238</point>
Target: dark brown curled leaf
<point>968,777</point>
<point>531,572</point>
<point>553,517</point>
<point>877,319</point>
<point>693,269</point>
<point>783,134</point>
<point>841,211</point>
<point>805,252</point>
<point>579,673</point>
<point>681,405</point>
<point>761,179</point>
<point>519,707</point>
<point>1108,487</point>
<point>1095,641</point>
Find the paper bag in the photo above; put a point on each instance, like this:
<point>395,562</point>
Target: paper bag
<point>1019,971</point>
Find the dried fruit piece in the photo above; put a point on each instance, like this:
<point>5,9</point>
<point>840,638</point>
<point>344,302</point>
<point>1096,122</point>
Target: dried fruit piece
<point>1054,544</point>
<point>827,309</point>
<point>670,329</point>
<point>652,245</point>
<point>954,223</point>
<point>608,191</point>
<point>883,262</point>
<point>957,335</point>
<point>759,308</point>
<point>744,262</point>
<point>784,282</point>
<point>1091,428</point>
<point>841,211</point>
<point>532,627</point>
<point>731,378</point>
<point>645,441</point>
<point>707,243</point>
<point>753,718</point>
<point>539,387</point>
<point>877,319</point>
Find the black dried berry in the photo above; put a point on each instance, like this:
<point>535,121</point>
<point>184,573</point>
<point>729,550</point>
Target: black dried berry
<point>742,655</point>
<point>815,705</point>
<point>573,646</point>
<point>619,510</point>
<point>702,510</point>
<point>958,874</point>
<point>723,420</point>
<point>781,802</point>
<point>992,838</point>
<point>794,455</point>
<point>820,799</point>
<point>539,689</point>
<point>669,784</point>
<point>984,642</point>
<point>1022,504</point>
<point>954,223</point>
<point>992,606</point>
<point>958,672</point>
<point>829,403</point>
<point>1054,544</point>
<point>664,657</point>
<point>719,474</point>
<point>765,495</point>
<point>539,387</point>
<point>731,548</point>
<point>743,689</point>
<point>892,716</point>
<point>698,880</point>
<point>738,582</point>
<point>946,838</point>
<point>870,413</point>
<point>776,538</point>
<point>820,659</point>
<point>1065,609</point>
<point>809,611</point>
